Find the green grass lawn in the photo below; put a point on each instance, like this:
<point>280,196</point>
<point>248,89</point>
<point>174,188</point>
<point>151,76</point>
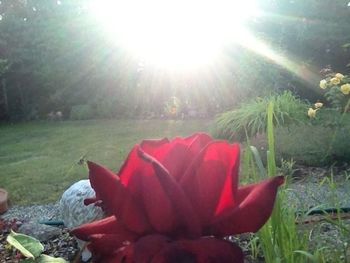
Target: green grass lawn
<point>39,160</point>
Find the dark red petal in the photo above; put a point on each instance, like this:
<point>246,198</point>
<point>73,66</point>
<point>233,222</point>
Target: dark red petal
<point>177,154</point>
<point>186,222</point>
<point>141,251</point>
<point>105,244</point>
<point>147,247</point>
<point>90,200</point>
<point>108,225</point>
<point>117,200</point>
<point>202,250</point>
<point>212,179</point>
<point>255,206</point>
<point>171,155</point>
<point>140,180</point>
<point>201,138</point>
<point>130,167</point>
<point>152,146</point>
<point>198,141</point>
<point>124,255</point>
<point>107,187</point>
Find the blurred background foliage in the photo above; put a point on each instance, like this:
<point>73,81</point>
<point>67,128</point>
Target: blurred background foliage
<point>54,57</point>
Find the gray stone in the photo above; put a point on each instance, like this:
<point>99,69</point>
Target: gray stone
<point>75,213</point>
<point>73,210</point>
<point>39,231</point>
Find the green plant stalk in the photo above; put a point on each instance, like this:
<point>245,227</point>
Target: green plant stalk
<point>279,238</point>
<point>248,162</point>
<point>330,147</point>
<point>258,162</point>
<point>271,142</point>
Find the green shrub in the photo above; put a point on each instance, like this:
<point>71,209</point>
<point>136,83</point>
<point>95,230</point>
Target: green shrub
<point>82,112</point>
<point>106,108</point>
<point>250,117</point>
<point>330,117</point>
<point>336,86</point>
<point>309,144</point>
<point>111,107</point>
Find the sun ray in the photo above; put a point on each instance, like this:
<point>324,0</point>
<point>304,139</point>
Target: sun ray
<point>173,34</point>
<point>294,66</point>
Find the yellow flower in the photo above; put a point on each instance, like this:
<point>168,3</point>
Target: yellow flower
<point>345,88</point>
<point>323,84</point>
<point>339,76</point>
<point>311,113</point>
<point>318,105</point>
<point>335,81</point>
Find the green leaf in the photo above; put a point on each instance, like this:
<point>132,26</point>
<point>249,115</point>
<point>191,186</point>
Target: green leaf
<point>28,260</point>
<point>44,259</point>
<point>28,246</point>
<point>48,259</point>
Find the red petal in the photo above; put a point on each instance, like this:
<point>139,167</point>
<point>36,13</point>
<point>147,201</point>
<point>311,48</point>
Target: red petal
<point>117,199</point>
<point>198,141</point>
<point>90,200</point>
<point>130,167</point>
<point>108,225</point>
<point>123,255</point>
<point>147,247</point>
<point>140,180</point>
<point>200,251</point>
<point>212,179</point>
<point>107,187</point>
<point>186,222</point>
<point>172,156</point>
<point>255,206</point>
<point>152,146</point>
<point>105,244</point>
<point>177,154</point>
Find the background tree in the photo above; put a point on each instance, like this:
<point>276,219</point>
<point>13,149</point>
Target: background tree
<point>59,59</point>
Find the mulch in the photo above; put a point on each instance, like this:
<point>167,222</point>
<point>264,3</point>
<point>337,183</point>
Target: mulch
<point>64,246</point>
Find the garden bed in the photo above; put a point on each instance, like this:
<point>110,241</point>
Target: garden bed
<point>309,188</point>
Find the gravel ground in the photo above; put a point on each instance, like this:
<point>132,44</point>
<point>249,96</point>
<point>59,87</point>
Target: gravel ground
<point>311,192</point>
<point>33,212</point>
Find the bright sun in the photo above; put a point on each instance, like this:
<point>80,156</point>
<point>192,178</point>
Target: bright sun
<point>182,34</point>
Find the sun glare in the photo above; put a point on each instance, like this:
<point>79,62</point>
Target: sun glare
<point>181,34</point>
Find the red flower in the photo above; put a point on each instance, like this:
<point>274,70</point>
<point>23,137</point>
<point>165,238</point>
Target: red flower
<point>173,201</point>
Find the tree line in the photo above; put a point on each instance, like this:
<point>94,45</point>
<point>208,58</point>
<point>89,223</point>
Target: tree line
<point>54,57</point>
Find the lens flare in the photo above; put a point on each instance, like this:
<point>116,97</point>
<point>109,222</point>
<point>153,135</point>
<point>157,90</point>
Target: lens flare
<point>173,34</point>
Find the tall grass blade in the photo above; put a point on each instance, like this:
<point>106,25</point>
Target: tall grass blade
<point>279,238</point>
<point>258,161</point>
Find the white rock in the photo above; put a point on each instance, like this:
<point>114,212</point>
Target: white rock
<point>75,213</point>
